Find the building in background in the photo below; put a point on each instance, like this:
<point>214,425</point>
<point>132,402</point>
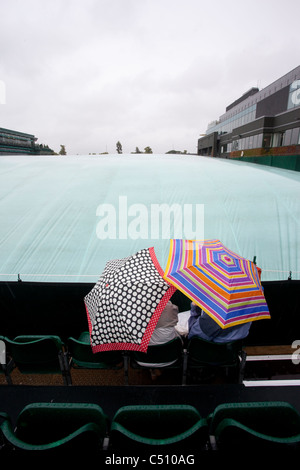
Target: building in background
<point>262,126</point>
<point>19,143</point>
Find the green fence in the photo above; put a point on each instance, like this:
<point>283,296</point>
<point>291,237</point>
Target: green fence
<point>287,162</point>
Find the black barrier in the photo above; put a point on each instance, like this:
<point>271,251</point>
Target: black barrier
<point>43,308</point>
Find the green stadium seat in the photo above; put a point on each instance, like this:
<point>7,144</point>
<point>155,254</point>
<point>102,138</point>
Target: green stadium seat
<point>163,427</point>
<point>39,354</point>
<point>81,356</point>
<point>56,428</point>
<point>255,425</point>
<point>201,354</point>
<point>168,353</point>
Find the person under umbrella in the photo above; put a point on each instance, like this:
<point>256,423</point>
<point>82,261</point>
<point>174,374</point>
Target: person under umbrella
<point>164,332</point>
<point>202,325</point>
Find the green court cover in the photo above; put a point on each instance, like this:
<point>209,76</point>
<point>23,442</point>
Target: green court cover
<point>63,217</point>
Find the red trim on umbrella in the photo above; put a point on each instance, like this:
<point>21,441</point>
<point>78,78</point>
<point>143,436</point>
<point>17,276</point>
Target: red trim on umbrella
<point>156,263</point>
<point>155,317</point>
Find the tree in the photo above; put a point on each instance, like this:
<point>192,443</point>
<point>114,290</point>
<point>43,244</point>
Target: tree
<point>62,150</point>
<point>148,150</point>
<point>119,147</point>
<point>177,152</point>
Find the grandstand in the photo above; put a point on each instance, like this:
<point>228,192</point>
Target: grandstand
<point>19,143</point>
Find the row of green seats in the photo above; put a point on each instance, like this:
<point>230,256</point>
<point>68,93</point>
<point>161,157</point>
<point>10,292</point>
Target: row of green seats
<point>48,354</point>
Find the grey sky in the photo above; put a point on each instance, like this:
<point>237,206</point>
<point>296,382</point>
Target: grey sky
<point>87,73</point>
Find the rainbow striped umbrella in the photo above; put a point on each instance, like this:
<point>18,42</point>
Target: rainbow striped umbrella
<point>225,285</point>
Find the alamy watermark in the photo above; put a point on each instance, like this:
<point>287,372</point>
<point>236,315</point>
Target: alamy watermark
<point>2,92</point>
<point>158,221</point>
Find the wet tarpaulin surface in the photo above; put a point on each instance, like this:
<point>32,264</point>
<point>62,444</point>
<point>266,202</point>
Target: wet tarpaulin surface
<point>63,218</point>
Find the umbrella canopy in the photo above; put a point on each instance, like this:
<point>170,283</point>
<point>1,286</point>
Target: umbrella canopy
<point>125,304</point>
<point>225,285</point>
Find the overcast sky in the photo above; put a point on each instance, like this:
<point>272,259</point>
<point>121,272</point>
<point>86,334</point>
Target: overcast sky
<point>89,73</point>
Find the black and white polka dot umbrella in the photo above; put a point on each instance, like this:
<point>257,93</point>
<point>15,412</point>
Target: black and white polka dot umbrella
<point>125,304</point>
